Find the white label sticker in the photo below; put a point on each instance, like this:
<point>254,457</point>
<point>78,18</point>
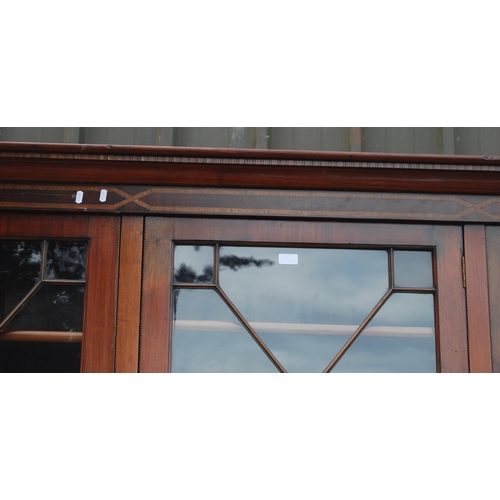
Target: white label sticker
<point>79,197</point>
<point>288,258</point>
<point>104,195</point>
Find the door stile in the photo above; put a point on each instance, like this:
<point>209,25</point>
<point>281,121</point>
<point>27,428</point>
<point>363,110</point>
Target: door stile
<point>478,313</point>
<point>101,296</point>
<point>156,314</point>
<point>451,311</point>
<point>129,295</point>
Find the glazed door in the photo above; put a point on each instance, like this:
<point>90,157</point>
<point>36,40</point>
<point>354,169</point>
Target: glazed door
<point>58,292</point>
<point>280,296</point>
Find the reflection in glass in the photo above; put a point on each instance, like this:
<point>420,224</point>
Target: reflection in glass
<point>19,272</point>
<point>66,260</point>
<point>193,264</point>
<point>400,338</point>
<point>56,308</point>
<point>207,337</point>
<point>413,269</point>
<point>40,357</point>
<point>304,312</point>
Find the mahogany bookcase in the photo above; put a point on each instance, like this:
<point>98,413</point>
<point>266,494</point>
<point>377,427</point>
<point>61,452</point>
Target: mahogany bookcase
<point>132,204</point>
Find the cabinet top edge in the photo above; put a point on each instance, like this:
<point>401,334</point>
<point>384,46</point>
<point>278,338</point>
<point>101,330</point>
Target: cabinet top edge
<point>152,153</point>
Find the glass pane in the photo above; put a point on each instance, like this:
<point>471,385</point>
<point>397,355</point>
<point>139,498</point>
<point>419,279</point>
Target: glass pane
<point>207,337</point>
<point>399,339</point>
<point>56,308</point>
<point>19,272</point>
<point>193,264</point>
<point>66,260</point>
<point>304,303</point>
<point>39,357</point>
<point>413,269</point>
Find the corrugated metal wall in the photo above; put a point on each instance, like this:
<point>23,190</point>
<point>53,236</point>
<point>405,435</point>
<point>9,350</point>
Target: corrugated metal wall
<point>430,140</point>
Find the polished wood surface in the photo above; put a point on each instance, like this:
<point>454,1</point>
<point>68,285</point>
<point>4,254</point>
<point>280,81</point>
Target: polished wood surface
<point>451,312</point>
<point>156,320</point>
<point>129,295</point>
<point>478,313</point>
<point>101,295</point>
<point>236,176</point>
<point>205,167</point>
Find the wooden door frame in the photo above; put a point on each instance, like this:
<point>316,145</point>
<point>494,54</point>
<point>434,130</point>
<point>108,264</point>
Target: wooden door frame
<point>162,233</point>
<point>101,274</point>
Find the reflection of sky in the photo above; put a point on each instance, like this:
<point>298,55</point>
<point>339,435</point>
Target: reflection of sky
<point>395,354</point>
<point>213,351</point>
<point>413,269</point>
<point>328,286</point>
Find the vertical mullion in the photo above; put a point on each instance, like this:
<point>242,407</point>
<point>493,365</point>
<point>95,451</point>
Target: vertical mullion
<point>43,260</point>
<point>216,264</point>
<point>391,268</point>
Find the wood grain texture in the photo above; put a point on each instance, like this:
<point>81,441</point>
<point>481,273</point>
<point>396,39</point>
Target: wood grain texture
<point>156,296</point>
<point>44,226</point>
<point>493,256</point>
<point>245,176</point>
<point>101,295</point>
<point>201,167</point>
<point>451,312</point>
<point>308,233</point>
<point>129,295</point>
<point>478,313</point>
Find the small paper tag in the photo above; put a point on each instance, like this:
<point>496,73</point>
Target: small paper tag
<point>79,197</point>
<point>288,258</point>
<point>103,196</point>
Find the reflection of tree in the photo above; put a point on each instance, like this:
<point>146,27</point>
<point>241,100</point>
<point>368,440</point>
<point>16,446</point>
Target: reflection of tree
<point>52,307</point>
<point>19,271</point>
<point>186,274</point>
<point>235,263</point>
<point>20,259</point>
<point>66,260</point>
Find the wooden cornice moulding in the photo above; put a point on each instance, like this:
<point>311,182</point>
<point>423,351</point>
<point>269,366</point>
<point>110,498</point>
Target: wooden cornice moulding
<point>247,168</point>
